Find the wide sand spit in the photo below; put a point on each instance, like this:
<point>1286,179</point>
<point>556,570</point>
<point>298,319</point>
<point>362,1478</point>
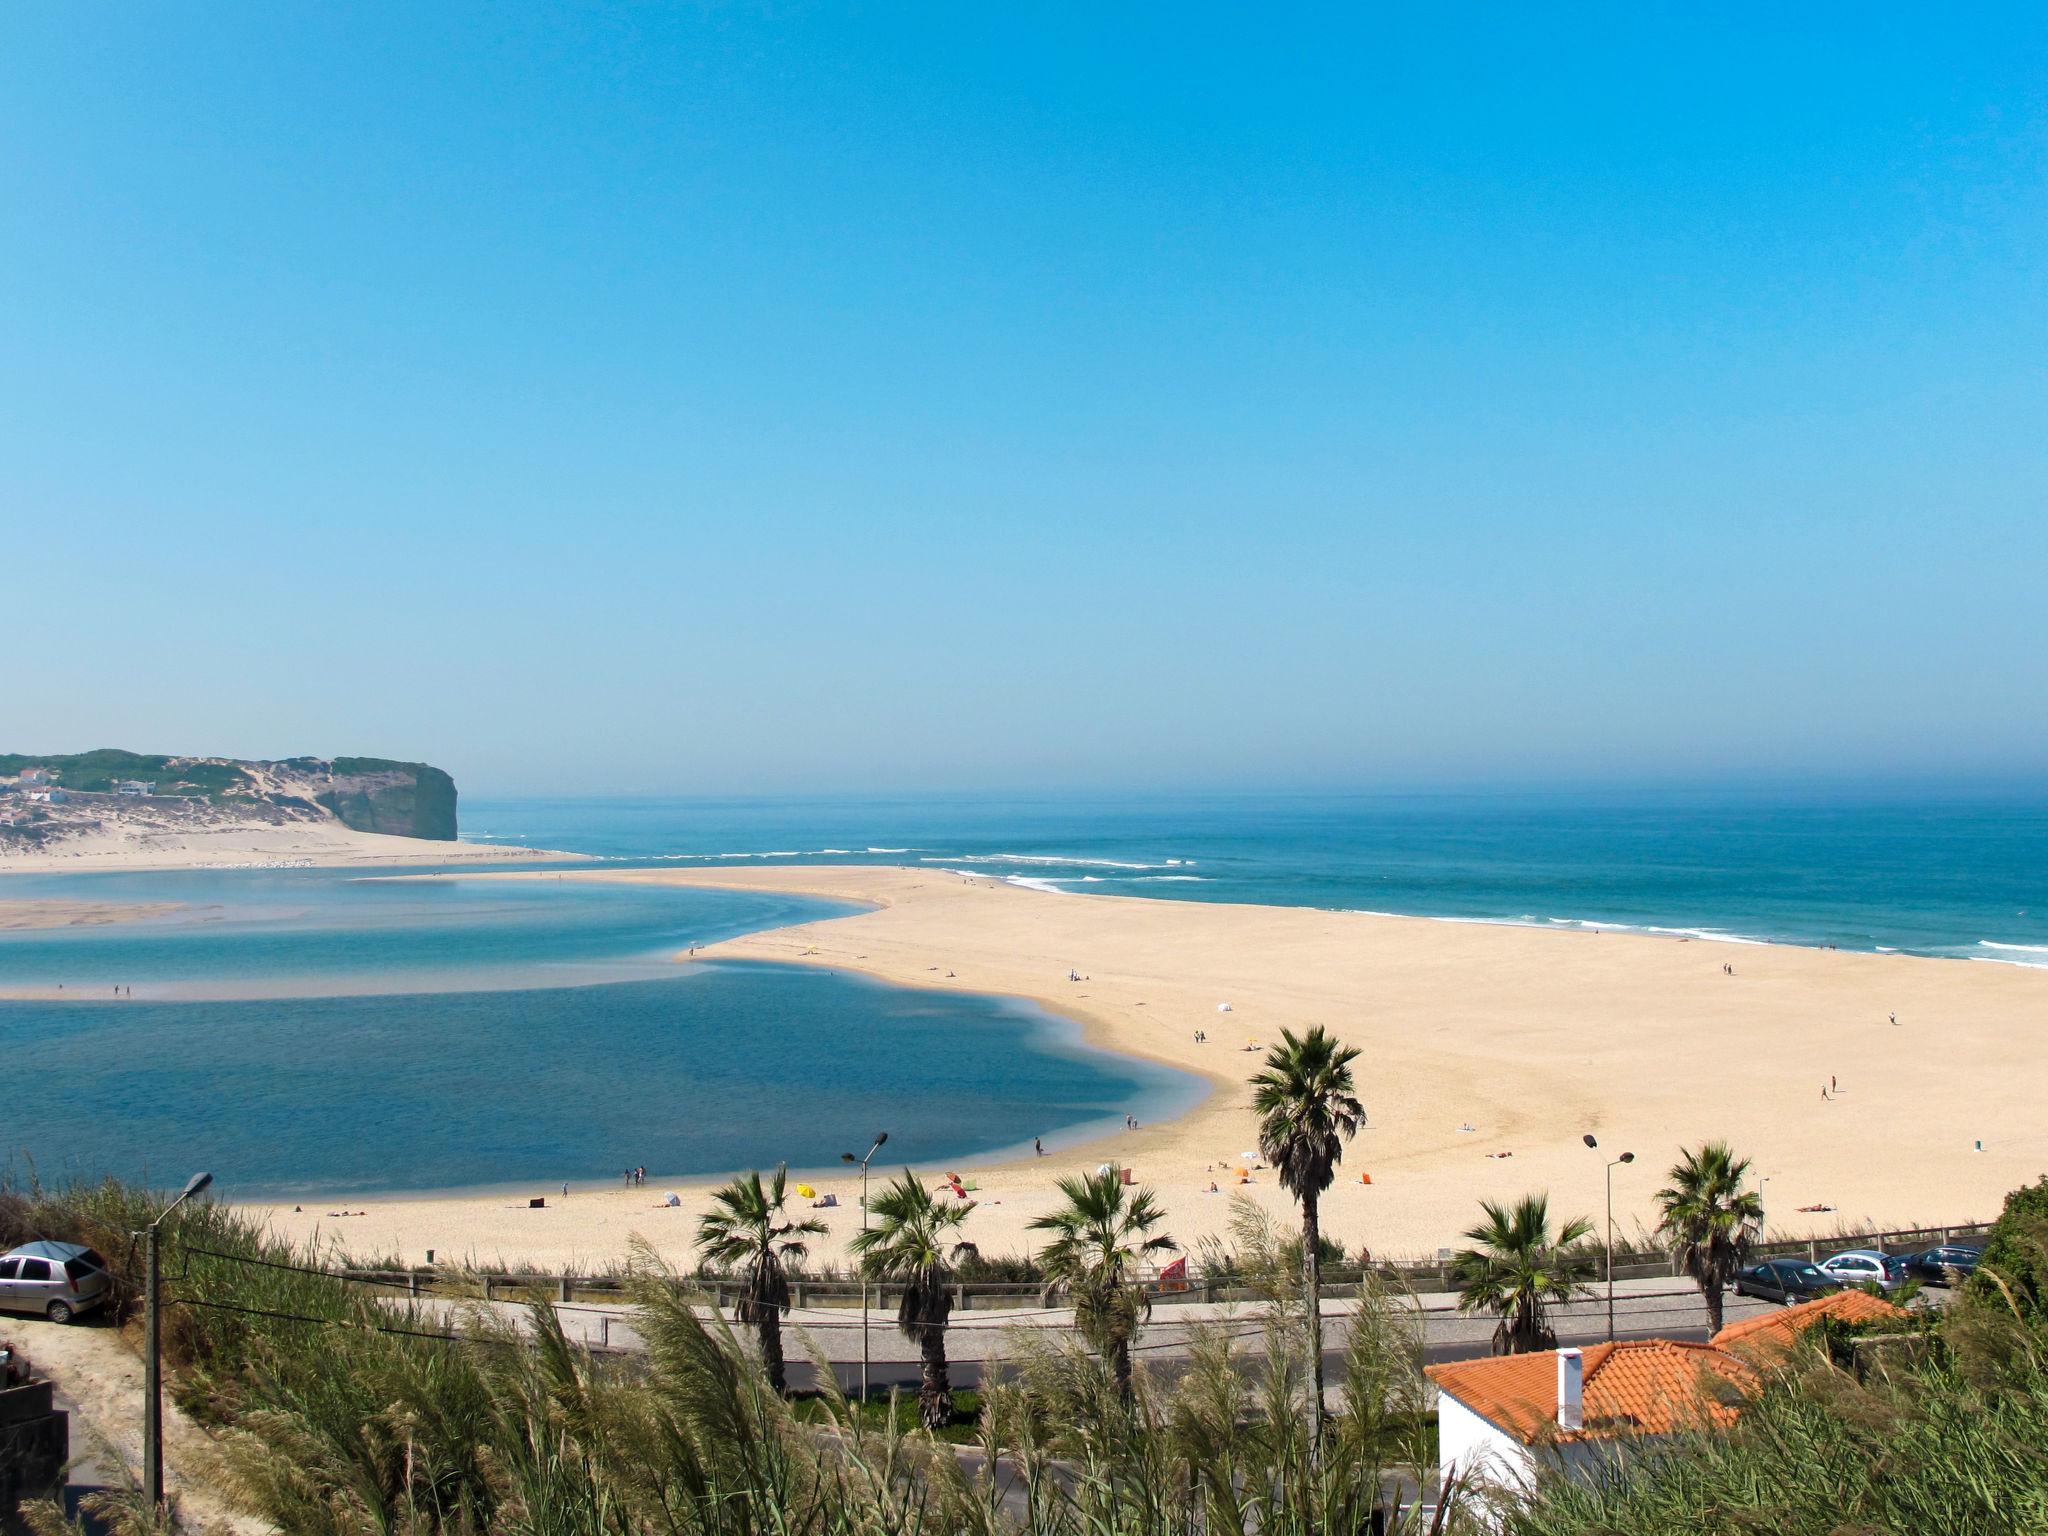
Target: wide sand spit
<point>1488,1051</point>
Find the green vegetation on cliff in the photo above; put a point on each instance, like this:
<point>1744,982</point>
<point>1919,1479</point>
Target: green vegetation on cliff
<point>102,772</point>
<point>368,794</point>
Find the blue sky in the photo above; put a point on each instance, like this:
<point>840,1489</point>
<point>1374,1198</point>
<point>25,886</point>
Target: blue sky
<point>713,398</point>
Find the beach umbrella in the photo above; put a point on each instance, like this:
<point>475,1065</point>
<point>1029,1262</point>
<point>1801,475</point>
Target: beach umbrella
<point>807,1192</point>
<point>1250,1157</point>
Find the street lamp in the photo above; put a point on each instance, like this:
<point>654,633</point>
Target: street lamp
<point>152,1363</point>
<point>862,1164</point>
<point>1626,1157</point>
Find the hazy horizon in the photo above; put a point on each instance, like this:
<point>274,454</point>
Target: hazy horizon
<point>730,401</point>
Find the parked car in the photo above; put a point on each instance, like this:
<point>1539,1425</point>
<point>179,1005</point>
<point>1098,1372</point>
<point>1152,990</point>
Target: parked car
<point>1940,1265</point>
<point>59,1281</point>
<point>1784,1280</point>
<point>1865,1266</point>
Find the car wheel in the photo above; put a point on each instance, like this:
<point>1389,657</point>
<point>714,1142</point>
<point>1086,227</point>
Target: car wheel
<point>58,1311</point>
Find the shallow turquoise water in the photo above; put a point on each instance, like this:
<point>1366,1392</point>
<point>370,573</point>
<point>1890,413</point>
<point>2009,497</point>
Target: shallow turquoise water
<point>306,1031</point>
<point>726,1067</point>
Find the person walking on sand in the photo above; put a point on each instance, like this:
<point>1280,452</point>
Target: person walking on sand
<point>1038,1146</point>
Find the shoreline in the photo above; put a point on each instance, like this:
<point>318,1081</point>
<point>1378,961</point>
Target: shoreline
<point>299,845</point>
<point>1489,1049</point>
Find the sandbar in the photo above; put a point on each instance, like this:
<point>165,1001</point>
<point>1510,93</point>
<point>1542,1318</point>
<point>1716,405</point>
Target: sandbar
<point>1489,1051</point>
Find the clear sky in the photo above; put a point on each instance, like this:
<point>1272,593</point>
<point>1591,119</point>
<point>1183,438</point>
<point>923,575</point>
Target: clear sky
<point>714,398</point>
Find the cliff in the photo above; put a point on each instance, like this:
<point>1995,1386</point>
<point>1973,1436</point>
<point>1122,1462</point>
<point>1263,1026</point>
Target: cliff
<point>42,796</point>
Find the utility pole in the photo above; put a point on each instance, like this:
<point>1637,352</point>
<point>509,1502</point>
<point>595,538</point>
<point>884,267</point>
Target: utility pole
<point>862,1164</point>
<point>1626,1157</point>
<point>152,1342</point>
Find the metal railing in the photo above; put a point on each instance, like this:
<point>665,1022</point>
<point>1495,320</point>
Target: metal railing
<point>1425,1276</point>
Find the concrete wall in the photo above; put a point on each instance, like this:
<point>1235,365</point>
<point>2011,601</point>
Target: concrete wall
<point>1468,1444</point>
<point>35,1443</point>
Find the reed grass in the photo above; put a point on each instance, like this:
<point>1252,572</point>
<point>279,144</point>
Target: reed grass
<point>330,1423</point>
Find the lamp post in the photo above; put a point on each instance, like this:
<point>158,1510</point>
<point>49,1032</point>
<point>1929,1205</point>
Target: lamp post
<point>152,1362</point>
<point>1626,1157</point>
<point>862,1164</point>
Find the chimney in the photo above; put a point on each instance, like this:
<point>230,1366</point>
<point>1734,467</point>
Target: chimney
<point>1571,1390</point>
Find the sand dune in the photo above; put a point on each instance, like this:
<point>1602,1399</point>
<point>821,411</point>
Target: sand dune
<point>1530,1037</point>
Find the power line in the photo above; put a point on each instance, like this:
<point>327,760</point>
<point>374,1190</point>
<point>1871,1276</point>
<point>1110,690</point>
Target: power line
<point>340,1322</point>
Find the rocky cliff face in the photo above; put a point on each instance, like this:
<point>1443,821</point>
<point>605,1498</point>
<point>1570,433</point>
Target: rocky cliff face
<point>403,799</point>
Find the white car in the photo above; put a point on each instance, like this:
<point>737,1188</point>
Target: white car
<point>54,1280</point>
<point>1865,1266</point>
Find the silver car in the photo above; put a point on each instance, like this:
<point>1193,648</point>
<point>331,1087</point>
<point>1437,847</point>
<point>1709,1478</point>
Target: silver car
<point>1865,1266</point>
<point>54,1280</point>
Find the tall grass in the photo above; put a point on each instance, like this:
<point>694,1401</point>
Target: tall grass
<point>329,1424</point>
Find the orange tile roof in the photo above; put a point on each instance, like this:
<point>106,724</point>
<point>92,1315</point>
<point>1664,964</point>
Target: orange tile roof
<point>1636,1386</point>
<point>1775,1330</point>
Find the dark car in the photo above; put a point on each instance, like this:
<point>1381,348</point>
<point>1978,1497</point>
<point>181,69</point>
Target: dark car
<point>1784,1280</point>
<point>1940,1265</point>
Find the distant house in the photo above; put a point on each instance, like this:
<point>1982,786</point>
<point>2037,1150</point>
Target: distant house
<point>1771,1335</point>
<point>1499,1419</point>
<point>34,775</point>
<point>138,786</point>
<point>50,796</point>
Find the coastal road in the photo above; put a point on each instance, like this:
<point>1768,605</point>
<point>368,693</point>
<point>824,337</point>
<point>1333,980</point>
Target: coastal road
<point>1656,1308</point>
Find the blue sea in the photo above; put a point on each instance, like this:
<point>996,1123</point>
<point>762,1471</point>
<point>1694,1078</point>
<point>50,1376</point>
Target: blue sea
<point>308,1031</point>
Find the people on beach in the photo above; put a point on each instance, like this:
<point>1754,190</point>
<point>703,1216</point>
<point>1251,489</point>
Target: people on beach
<point>1037,1146</point>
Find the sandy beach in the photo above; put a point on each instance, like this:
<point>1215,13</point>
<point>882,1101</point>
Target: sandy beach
<point>292,844</point>
<point>1488,1051</point>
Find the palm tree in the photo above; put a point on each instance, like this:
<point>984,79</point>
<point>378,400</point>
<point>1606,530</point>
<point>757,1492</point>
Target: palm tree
<point>1517,1267</point>
<point>1710,1220</point>
<point>908,1245</point>
<point>745,1230</point>
<point>1100,1236</point>
<point>1307,1110</point>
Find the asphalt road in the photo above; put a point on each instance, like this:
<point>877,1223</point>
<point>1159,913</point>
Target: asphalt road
<point>976,1341</point>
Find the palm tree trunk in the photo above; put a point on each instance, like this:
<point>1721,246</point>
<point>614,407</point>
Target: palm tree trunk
<point>1710,1289</point>
<point>1120,1365</point>
<point>935,1399</point>
<point>1312,1291</point>
<point>768,1325</point>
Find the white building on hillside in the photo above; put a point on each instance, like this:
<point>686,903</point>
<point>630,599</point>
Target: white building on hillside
<point>1499,1419</point>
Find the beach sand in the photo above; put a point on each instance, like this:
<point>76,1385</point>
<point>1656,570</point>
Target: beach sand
<point>16,916</point>
<point>1529,1037</point>
<point>292,844</point>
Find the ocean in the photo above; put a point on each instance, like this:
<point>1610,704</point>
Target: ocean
<point>300,1032</point>
<point>1958,875</point>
